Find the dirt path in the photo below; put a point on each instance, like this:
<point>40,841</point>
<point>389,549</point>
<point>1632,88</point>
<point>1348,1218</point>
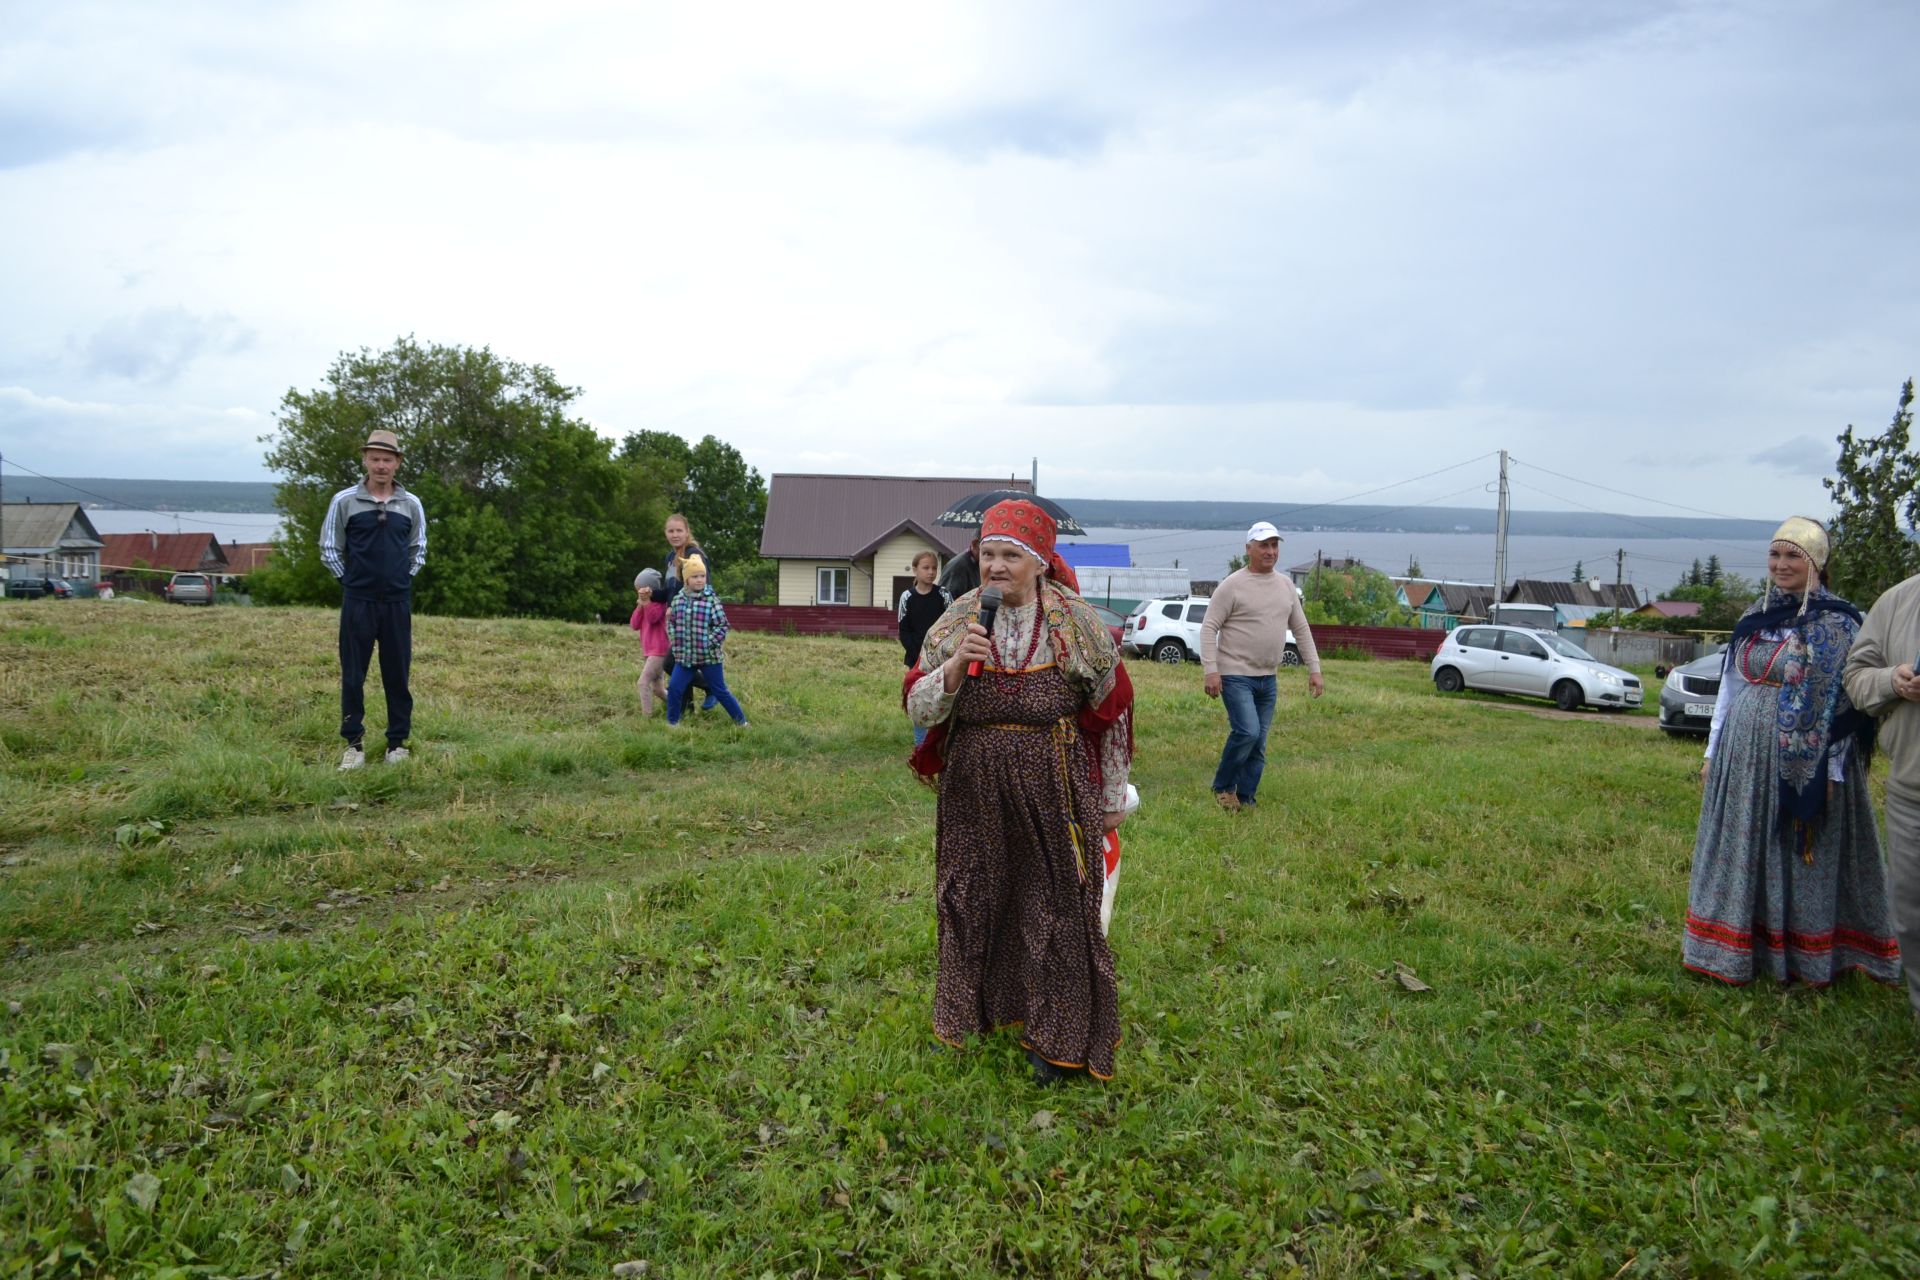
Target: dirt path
<point>1630,719</point>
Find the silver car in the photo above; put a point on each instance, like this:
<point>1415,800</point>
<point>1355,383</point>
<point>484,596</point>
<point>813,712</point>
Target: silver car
<point>1687,698</point>
<point>1538,664</point>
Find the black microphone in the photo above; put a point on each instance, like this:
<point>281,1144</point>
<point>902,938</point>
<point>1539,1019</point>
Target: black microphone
<point>989,610</point>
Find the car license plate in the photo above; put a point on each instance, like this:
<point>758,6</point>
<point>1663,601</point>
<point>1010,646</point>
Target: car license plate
<point>1701,709</point>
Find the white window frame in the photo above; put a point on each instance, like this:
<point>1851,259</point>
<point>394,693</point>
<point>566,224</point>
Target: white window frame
<point>824,581</point>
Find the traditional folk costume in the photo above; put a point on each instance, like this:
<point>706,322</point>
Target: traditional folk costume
<point>1028,757</point>
<point>1787,874</point>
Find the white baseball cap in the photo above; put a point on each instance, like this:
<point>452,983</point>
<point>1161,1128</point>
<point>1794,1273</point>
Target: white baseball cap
<point>1261,531</point>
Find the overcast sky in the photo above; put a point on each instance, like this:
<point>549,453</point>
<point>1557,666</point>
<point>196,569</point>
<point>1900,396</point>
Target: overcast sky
<point>1292,250</point>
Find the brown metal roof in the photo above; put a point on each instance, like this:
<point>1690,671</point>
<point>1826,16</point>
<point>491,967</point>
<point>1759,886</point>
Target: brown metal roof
<point>46,526</point>
<point>1552,591</point>
<point>843,517</point>
<point>180,552</point>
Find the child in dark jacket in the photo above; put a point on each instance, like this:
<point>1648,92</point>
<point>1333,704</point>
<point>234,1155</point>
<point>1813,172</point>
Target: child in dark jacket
<point>696,630</point>
<point>920,607</point>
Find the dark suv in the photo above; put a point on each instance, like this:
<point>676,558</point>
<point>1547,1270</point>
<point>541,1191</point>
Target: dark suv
<point>39,588</point>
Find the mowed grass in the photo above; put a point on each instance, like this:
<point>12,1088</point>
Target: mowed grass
<point>571,990</point>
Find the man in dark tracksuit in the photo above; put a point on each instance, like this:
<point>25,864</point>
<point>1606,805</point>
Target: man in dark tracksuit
<point>374,540</point>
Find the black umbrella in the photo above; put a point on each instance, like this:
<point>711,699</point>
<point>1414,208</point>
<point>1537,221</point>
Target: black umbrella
<point>966,513</point>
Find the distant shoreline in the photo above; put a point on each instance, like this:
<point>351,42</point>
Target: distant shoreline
<point>256,497</point>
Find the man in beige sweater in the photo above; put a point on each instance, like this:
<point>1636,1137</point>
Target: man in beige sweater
<point>1880,680</point>
<point>1242,643</point>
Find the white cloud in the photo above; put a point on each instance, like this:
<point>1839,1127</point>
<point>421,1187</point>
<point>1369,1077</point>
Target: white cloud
<point>1260,252</point>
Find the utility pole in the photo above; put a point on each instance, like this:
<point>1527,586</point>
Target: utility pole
<point>1500,536</point>
<point>1619,570</point>
<point>1036,477</point>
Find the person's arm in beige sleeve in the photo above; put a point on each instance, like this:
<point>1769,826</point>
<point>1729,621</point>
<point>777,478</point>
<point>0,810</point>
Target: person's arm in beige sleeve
<point>1218,610</point>
<point>1872,683</point>
<point>1303,640</point>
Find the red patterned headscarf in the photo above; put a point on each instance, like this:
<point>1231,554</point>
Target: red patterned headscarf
<point>1023,524</point>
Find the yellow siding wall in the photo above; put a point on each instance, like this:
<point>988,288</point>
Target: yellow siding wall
<point>870,580</point>
<point>799,580</point>
<point>895,556</point>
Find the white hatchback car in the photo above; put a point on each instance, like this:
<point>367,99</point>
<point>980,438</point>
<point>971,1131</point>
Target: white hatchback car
<point>1169,631</point>
<point>1536,663</point>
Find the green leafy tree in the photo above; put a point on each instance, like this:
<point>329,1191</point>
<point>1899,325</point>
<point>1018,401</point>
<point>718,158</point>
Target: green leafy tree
<point>726,501</point>
<point>749,581</point>
<point>1876,498</point>
<point>1579,571</point>
<point>1358,597</point>
<point>1721,604</point>
<point>1711,576</point>
<point>526,507</point>
<point>723,499</point>
<point>1413,567</point>
<point>1236,563</point>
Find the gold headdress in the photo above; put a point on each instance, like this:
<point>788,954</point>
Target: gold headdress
<point>1811,537</point>
<point>1807,535</point>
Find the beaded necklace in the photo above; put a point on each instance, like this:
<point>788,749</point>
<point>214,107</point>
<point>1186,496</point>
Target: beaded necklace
<point>1008,683</point>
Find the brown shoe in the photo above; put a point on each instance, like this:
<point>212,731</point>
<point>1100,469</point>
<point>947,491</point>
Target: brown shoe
<point>1228,801</point>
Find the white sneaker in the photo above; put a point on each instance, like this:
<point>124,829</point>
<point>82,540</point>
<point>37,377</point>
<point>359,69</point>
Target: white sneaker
<point>352,758</point>
<point>397,755</point>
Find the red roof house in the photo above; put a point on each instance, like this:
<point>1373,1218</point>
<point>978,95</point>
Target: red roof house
<point>166,552</point>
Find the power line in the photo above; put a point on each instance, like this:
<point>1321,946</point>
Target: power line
<point>1637,497</point>
<point>1395,485</point>
<point>1664,533</point>
<point>125,506</point>
<point>1332,502</point>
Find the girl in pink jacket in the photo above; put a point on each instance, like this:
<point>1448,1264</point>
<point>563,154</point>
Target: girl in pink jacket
<point>650,620</point>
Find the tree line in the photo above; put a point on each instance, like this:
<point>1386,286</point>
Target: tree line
<point>530,510</point>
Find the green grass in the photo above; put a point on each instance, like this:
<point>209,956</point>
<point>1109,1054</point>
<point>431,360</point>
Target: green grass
<point>572,990</point>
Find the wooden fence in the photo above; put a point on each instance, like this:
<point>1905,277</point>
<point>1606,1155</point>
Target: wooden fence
<point>1382,642</point>
<point>814,619</point>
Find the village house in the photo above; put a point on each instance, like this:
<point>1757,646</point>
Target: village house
<point>1669,609</point>
<point>851,540</point>
<point>148,559</point>
<point>245,557</point>
<point>49,540</point>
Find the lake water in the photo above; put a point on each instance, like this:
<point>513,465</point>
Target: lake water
<point>230,526</point>
<point>1653,564</point>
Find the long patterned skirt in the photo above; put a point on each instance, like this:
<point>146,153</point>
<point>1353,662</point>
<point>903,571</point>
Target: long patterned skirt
<point>1018,895</point>
<point>1755,901</point>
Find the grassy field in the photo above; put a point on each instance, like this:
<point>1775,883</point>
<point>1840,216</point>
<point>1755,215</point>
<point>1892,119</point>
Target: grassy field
<point>571,992</point>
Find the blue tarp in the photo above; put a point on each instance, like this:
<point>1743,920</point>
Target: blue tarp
<point>1082,555</point>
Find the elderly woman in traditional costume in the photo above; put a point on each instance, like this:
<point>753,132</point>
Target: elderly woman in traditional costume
<point>1030,756</point>
<point>1787,875</point>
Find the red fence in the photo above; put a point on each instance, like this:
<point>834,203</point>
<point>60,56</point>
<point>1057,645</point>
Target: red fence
<point>840,620</point>
<point>814,619</point>
<point>1382,642</point>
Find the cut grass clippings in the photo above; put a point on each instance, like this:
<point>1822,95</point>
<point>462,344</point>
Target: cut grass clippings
<point>572,990</point>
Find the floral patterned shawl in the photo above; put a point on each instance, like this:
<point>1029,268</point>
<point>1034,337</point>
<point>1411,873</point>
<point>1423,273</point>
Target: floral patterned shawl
<point>1082,647</point>
<point>1815,719</point>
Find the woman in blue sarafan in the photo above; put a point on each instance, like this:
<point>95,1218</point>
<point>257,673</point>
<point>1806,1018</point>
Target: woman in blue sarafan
<point>1787,874</point>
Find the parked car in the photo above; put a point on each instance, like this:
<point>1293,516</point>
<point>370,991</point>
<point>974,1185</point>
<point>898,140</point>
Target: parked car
<point>190,588</point>
<point>1535,663</point>
<point>1116,625</point>
<point>40,588</point>
<point>1169,631</point>
<point>1687,698</point>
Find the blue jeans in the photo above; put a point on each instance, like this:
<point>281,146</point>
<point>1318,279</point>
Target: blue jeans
<point>1249,701</point>
<point>716,681</point>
